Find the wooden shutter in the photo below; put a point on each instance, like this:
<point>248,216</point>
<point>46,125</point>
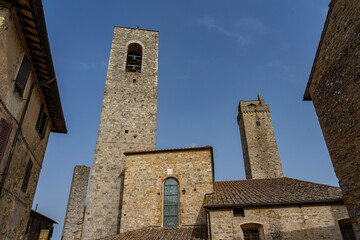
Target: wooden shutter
<point>27,176</point>
<point>23,74</point>
<point>5,130</point>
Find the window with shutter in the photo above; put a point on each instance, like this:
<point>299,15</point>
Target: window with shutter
<point>42,122</point>
<point>23,74</point>
<point>5,130</point>
<point>27,176</point>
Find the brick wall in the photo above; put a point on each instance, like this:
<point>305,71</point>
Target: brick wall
<point>260,151</point>
<point>282,223</point>
<point>16,204</point>
<point>127,122</point>
<point>334,89</point>
<point>144,186</point>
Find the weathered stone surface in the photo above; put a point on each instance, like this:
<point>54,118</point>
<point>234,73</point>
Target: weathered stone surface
<point>127,122</point>
<point>16,204</point>
<point>334,88</point>
<point>305,222</point>
<point>75,209</point>
<point>260,151</point>
<point>144,186</point>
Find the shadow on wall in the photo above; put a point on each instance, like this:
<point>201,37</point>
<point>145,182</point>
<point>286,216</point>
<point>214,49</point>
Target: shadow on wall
<point>320,233</point>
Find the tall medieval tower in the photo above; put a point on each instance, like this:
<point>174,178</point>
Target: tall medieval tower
<point>127,123</point>
<point>261,154</point>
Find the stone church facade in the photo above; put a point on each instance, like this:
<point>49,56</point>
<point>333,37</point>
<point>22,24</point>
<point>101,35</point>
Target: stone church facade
<point>138,192</point>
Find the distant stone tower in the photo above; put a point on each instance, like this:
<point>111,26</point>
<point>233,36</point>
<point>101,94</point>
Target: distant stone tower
<point>261,154</point>
<point>76,203</point>
<point>127,123</point>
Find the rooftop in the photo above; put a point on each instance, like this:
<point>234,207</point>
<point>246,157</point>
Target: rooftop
<point>276,191</point>
<point>157,233</point>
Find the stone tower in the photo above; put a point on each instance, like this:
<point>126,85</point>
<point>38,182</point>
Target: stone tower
<point>76,203</point>
<point>261,154</point>
<point>127,123</point>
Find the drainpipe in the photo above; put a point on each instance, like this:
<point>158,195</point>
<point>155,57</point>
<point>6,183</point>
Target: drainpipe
<point>18,130</point>
<point>208,223</point>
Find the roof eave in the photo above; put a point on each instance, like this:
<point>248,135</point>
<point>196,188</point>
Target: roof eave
<point>341,201</point>
<point>49,91</point>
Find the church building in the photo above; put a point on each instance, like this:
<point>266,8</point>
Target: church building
<point>139,192</point>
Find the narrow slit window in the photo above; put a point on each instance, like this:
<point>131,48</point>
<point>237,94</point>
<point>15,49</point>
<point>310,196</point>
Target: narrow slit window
<point>134,58</point>
<point>171,203</point>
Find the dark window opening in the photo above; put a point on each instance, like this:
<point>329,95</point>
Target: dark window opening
<point>126,131</point>
<point>42,122</point>
<point>347,231</point>
<point>134,80</point>
<point>5,130</point>
<point>23,74</point>
<point>134,58</point>
<point>257,123</point>
<point>27,176</point>
<point>171,203</point>
<point>238,212</point>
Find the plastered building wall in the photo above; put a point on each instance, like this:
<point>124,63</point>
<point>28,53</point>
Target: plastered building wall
<point>144,186</point>
<point>260,151</point>
<point>16,204</point>
<point>75,209</point>
<point>127,122</point>
<point>335,93</point>
<point>307,222</point>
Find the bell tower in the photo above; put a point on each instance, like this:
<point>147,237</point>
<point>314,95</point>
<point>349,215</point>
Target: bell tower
<point>127,123</point>
<point>260,151</point>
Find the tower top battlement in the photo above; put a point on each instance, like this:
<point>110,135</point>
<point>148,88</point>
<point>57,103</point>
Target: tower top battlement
<point>260,151</point>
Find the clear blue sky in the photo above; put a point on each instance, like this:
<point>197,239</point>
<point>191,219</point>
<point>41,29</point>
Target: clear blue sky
<point>211,55</point>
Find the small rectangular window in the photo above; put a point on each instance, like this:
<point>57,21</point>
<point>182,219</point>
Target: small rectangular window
<point>23,74</point>
<point>42,122</point>
<point>238,212</point>
<point>27,176</point>
<point>5,130</point>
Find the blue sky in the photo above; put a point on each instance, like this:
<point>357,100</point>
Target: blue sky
<point>211,55</point>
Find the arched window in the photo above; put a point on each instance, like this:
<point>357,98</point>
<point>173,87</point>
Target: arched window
<point>171,203</point>
<point>134,58</point>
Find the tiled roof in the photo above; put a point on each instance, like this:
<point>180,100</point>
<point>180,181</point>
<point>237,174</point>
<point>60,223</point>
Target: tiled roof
<point>276,191</point>
<point>157,233</point>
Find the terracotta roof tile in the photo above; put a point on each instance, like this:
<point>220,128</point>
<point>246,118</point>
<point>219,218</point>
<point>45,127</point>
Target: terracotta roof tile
<point>158,233</point>
<point>270,192</point>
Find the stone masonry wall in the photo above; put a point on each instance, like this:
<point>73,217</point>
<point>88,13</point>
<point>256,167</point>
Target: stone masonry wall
<point>76,203</point>
<point>307,222</point>
<point>16,204</point>
<point>127,122</point>
<point>335,93</point>
<point>144,186</point>
<point>260,151</point>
